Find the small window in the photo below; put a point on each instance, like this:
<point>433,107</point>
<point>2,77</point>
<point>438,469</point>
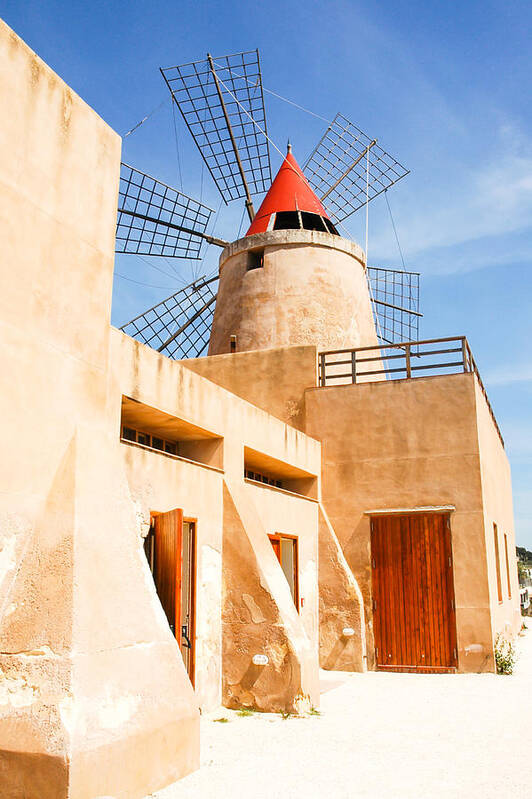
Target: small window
<point>144,438</point>
<point>157,443</point>
<point>255,259</point>
<point>330,227</point>
<point>285,548</point>
<point>170,447</point>
<point>313,222</point>
<point>258,477</point>
<point>129,434</point>
<point>287,220</point>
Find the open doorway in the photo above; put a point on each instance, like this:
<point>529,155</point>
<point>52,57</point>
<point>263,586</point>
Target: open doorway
<point>285,548</point>
<point>171,552</point>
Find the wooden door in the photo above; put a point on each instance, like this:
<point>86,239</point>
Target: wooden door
<point>168,529</point>
<point>413,594</point>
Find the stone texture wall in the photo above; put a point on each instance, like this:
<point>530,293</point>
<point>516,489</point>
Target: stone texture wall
<point>311,290</point>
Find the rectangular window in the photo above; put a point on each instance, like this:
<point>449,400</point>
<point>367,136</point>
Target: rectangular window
<point>497,562</point>
<point>507,566</point>
<point>255,259</point>
<point>285,548</point>
<point>144,438</point>
<point>129,434</point>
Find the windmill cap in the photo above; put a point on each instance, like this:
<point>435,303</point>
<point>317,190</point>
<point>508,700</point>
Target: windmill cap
<point>290,191</point>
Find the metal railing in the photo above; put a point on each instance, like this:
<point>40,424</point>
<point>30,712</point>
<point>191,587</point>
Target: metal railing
<point>402,361</point>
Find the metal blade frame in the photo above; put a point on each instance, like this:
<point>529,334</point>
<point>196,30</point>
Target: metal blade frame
<point>336,168</point>
<point>180,325</point>
<point>212,106</point>
<point>156,219</point>
<point>395,293</point>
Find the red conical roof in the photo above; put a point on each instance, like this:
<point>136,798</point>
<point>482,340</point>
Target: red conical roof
<point>290,191</point>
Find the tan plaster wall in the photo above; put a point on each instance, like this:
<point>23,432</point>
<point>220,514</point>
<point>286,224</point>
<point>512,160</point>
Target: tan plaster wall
<point>342,624</point>
<point>249,514</point>
<point>496,483</point>
<point>159,483</point>
<point>81,637</point>
<point>312,290</point>
<point>274,380</point>
<point>259,615</point>
<point>277,379</point>
<point>143,374</point>
<point>405,444</point>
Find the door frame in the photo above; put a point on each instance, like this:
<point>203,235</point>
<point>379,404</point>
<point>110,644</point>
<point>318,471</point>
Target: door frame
<point>192,632</point>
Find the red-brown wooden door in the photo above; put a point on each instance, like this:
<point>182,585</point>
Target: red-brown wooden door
<point>167,565</point>
<point>413,594</point>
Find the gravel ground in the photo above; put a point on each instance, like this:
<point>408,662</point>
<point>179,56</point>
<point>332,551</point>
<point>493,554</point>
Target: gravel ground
<point>399,736</point>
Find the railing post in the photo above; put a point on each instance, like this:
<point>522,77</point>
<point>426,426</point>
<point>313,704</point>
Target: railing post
<point>322,369</point>
<point>465,359</point>
<point>407,357</point>
<point>354,366</point>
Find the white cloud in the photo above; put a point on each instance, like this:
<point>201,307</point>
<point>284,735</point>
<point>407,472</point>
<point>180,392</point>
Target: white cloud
<point>471,207</point>
<point>508,374</point>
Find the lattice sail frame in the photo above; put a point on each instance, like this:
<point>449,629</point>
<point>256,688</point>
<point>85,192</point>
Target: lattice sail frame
<point>147,210</point>
<point>187,313</point>
<point>197,94</point>
<point>328,169</point>
<point>396,303</point>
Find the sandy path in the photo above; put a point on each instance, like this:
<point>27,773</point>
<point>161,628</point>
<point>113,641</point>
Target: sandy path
<point>402,736</point>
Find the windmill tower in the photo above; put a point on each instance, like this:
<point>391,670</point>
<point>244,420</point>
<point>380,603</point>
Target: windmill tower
<point>292,279</point>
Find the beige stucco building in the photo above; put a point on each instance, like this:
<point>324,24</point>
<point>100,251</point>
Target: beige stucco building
<point>230,502</point>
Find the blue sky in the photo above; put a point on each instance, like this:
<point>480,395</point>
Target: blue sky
<point>445,87</point>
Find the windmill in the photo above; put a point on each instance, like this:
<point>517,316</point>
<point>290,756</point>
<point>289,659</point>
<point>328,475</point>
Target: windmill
<point>221,101</point>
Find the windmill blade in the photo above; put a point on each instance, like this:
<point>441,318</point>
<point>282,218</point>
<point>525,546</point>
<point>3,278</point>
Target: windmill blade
<point>155,219</point>
<point>222,102</point>
<point>395,295</point>
<point>336,169</point>
<point>180,325</point>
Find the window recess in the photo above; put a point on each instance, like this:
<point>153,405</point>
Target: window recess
<point>263,469</point>
<point>255,259</point>
<point>161,432</point>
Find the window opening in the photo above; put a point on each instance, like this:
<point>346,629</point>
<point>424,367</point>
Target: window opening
<point>263,478</point>
<point>330,227</point>
<point>313,222</point>
<point>147,440</point>
<point>255,259</point>
<point>287,220</point>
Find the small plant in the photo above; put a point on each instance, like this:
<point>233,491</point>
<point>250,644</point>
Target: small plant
<point>314,712</point>
<point>286,714</point>
<point>505,655</point>
<point>222,720</point>
<point>245,711</point>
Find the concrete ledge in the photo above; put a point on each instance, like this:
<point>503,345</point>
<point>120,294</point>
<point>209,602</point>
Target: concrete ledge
<point>303,237</point>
